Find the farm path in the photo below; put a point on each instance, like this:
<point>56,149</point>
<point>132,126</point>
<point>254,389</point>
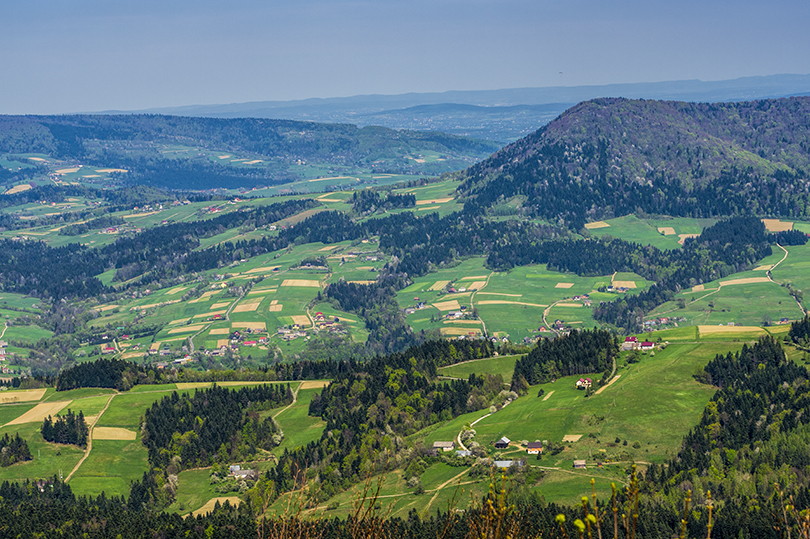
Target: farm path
<point>472,304</point>
<point>295,398</point>
<point>90,438</point>
<point>458,436</point>
<point>545,315</point>
<point>604,387</point>
<point>440,487</point>
<point>768,273</point>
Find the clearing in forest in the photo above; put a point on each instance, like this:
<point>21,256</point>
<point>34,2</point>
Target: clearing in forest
<point>314,384</point>
<point>776,225</point>
<point>683,237</point>
<point>209,506</point>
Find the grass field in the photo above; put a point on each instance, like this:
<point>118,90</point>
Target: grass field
<point>299,428</point>
<point>663,233</point>
<point>503,365</point>
<point>509,303</point>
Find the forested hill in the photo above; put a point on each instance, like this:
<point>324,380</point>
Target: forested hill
<point>147,146</point>
<point>610,157</point>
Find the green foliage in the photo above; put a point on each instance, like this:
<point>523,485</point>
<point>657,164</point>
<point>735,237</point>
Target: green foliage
<point>69,428</point>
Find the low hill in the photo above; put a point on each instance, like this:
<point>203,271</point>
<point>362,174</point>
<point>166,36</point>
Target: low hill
<point>610,157</point>
<point>203,153</point>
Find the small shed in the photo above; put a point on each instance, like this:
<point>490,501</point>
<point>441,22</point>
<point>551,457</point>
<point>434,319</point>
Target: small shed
<point>579,464</point>
<point>503,443</point>
<point>505,464</point>
<point>444,446</point>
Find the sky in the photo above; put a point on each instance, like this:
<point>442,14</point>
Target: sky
<point>60,56</point>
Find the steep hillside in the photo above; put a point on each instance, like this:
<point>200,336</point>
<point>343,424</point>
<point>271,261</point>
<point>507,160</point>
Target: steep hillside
<point>610,157</point>
<point>174,151</point>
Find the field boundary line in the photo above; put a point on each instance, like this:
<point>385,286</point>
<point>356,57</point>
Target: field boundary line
<point>768,273</point>
<point>472,304</point>
<point>90,438</point>
<point>440,487</point>
<point>295,399</point>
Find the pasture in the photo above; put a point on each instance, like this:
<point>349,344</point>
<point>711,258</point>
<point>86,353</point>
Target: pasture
<point>662,232</point>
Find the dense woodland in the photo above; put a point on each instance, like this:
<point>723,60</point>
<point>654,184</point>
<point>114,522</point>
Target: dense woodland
<point>13,449</point>
<point>579,352</point>
<point>69,428</point>
<point>610,157</point>
<point>112,373</point>
<point>212,425</point>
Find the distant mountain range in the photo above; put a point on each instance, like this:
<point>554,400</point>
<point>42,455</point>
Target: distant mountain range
<point>499,115</point>
<point>195,153</point>
<point>610,157</point>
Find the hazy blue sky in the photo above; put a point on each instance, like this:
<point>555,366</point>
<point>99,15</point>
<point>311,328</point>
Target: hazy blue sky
<point>80,55</point>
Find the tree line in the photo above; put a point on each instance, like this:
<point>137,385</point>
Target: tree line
<point>69,428</point>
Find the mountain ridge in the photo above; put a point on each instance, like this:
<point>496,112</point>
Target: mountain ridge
<point>377,109</point>
<point>617,155</point>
